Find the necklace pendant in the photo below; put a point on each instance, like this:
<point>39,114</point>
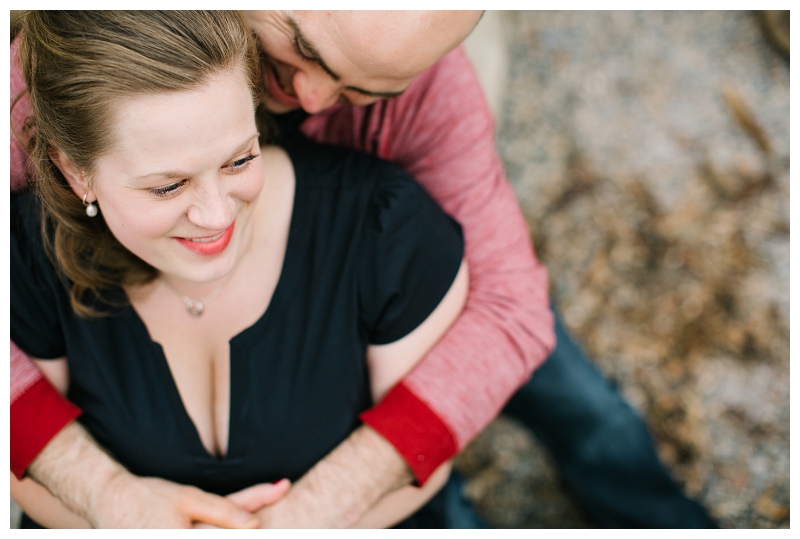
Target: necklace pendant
<point>195,308</point>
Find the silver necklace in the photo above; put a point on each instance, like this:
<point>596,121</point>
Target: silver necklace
<point>195,307</point>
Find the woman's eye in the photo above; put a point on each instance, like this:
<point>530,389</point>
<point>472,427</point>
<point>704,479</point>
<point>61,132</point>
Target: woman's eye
<point>241,164</point>
<point>169,190</point>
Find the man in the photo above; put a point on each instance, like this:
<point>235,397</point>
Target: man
<point>387,83</point>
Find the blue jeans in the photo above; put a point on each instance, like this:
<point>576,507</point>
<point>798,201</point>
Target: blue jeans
<point>447,509</point>
<point>602,448</point>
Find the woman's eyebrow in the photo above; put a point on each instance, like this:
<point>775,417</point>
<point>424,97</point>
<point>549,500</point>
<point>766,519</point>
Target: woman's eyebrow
<point>178,174</point>
<point>242,147</point>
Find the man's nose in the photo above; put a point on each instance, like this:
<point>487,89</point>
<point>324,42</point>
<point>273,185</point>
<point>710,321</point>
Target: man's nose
<point>212,208</point>
<point>316,91</point>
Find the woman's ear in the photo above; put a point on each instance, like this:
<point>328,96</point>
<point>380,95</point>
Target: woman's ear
<point>76,179</point>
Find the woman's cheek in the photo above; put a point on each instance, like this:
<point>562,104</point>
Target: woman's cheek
<point>253,184</point>
<point>135,224</point>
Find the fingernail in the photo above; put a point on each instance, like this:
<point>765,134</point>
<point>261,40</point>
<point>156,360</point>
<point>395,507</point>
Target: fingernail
<point>280,481</point>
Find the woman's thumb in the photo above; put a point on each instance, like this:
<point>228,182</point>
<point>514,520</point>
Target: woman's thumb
<point>254,498</point>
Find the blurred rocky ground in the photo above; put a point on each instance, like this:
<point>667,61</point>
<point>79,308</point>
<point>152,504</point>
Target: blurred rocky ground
<point>650,153</point>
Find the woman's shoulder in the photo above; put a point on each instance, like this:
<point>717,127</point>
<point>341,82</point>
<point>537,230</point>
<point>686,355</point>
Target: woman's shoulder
<point>328,166</point>
<point>386,192</point>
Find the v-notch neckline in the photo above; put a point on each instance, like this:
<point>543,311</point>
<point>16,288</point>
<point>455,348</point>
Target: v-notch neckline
<point>236,400</point>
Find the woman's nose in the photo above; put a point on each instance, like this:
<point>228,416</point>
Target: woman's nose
<point>212,208</point>
<point>316,91</point>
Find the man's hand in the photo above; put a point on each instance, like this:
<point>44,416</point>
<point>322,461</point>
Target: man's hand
<point>149,502</point>
<point>93,485</point>
<point>343,486</point>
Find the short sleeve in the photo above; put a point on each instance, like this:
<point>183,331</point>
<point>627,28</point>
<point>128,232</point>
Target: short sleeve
<point>410,255</point>
<point>35,321</point>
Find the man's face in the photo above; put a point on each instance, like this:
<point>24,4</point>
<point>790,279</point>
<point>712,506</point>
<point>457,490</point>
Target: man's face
<point>313,59</point>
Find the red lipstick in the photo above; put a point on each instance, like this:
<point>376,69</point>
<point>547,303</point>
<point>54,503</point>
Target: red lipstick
<point>206,247</point>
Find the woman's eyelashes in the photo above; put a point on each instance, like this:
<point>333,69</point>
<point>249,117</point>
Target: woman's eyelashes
<point>169,190</point>
<point>240,165</point>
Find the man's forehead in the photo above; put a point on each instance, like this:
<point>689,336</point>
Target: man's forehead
<point>391,44</point>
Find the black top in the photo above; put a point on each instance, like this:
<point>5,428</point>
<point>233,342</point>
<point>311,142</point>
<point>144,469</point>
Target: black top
<point>369,256</point>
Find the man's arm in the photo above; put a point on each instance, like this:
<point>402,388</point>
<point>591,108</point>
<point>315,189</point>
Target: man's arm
<point>38,411</point>
<point>337,494</point>
<point>97,488</point>
<point>441,131</point>
<point>343,486</point>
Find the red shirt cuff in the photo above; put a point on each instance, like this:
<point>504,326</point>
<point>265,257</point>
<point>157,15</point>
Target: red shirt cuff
<point>36,416</point>
<point>422,439</point>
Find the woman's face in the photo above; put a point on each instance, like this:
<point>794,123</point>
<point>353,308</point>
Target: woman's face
<point>178,187</point>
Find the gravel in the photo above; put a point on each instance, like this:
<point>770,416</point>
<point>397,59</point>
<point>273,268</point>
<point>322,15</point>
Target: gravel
<point>650,153</point>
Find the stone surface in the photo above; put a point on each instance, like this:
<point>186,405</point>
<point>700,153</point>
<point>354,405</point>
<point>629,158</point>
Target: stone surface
<point>650,153</point>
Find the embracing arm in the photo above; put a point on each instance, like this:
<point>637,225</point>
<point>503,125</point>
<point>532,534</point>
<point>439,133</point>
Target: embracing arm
<point>43,507</point>
<point>98,492</point>
<point>388,365</point>
<point>38,411</point>
<point>440,130</point>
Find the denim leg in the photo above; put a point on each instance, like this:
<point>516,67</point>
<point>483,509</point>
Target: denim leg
<point>447,509</point>
<point>602,448</point>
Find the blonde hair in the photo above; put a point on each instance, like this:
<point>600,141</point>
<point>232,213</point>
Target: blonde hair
<point>78,65</point>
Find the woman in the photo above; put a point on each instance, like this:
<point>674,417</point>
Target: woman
<point>227,308</point>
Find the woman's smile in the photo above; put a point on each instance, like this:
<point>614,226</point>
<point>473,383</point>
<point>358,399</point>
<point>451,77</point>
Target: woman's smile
<point>209,245</point>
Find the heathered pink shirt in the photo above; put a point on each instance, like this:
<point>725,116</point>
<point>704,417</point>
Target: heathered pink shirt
<point>441,131</point>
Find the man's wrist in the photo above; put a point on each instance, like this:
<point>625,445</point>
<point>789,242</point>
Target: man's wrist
<point>76,470</point>
<point>38,412</point>
<point>414,431</point>
<point>393,471</point>
<point>343,486</point>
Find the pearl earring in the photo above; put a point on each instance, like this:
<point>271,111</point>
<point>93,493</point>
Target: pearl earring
<point>91,209</point>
